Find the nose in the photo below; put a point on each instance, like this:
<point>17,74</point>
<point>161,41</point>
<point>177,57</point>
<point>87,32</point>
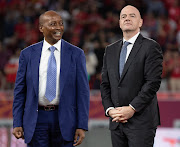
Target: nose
<point>127,18</point>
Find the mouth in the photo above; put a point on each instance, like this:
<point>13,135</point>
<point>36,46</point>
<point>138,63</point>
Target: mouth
<point>127,24</point>
<point>57,33</point>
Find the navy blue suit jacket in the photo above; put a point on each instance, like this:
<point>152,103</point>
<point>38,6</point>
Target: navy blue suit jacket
<point>74,91</point>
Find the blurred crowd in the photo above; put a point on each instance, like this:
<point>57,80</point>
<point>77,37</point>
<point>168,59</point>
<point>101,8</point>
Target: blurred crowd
<point>90,25</point>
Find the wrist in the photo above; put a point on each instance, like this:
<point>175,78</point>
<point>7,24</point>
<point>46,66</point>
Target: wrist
<point>107,111</point>
<point>132,108</point>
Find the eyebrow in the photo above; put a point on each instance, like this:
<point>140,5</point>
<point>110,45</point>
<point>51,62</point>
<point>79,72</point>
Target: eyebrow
<point>132,14</point>
<point>129,14</point>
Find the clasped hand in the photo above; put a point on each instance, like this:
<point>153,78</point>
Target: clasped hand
<point>121,114</point>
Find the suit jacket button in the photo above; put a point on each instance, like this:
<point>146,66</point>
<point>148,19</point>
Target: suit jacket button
<point>117,103</point>
<point>37,110</point>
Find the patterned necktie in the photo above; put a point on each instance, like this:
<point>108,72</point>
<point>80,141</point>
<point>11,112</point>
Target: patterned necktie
<point>51,76</point>
<point>123,57</point>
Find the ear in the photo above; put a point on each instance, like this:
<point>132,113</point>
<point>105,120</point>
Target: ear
<point>41,28</point>
<point>119,23</point>
<point>140,23</point>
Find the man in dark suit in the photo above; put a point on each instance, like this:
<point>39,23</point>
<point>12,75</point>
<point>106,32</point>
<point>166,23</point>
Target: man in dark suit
<point>51,95</point>
<point>131,76</point>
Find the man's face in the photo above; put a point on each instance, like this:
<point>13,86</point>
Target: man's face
<point>130,19</point>
<point>52,27</point>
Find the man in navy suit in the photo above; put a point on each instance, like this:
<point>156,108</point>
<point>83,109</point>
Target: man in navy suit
<point>131,76</point>
<point>62,120</point>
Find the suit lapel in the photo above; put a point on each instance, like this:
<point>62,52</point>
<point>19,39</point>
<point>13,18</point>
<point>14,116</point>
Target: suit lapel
<point>65,62</point>
<point>135,49</point>
<point>35,60</point>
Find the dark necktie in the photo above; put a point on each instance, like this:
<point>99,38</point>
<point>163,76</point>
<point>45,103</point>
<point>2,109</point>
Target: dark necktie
<point>51,76</point>
<point>123,57</point>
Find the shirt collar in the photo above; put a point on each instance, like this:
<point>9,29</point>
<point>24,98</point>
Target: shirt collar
<point>57,45</point>
<point>133,39</point>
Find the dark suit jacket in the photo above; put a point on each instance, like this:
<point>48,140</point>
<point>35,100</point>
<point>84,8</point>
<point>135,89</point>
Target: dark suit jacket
<point>138,84</point>
<point>74,91</point>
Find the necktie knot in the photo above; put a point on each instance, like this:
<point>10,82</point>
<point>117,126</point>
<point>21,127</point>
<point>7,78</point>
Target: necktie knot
<point>126,44</point>
<point>52,48</point>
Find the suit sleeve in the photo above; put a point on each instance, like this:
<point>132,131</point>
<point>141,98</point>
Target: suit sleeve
<point>105,85</point>
<point>83,93</point>
<point>19,93</point>
<point>152,77</point>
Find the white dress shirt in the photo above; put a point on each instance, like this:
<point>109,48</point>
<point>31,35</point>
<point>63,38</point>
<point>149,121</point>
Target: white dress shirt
<point>129,48</point>
<point>45,54</point>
